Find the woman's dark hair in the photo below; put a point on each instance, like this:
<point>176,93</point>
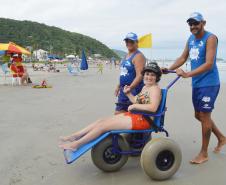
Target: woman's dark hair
<point>153,67</point>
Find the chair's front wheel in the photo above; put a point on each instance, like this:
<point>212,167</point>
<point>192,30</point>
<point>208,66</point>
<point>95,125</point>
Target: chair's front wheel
<point>161,158</point>
<point>105,159</point>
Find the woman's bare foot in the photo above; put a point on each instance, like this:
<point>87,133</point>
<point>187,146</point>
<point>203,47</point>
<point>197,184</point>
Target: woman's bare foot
<point>220,144</point>
<point>68,146</point>
<point>67,138</point>
<point>199,159</point>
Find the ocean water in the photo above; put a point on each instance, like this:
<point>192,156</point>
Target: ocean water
<point>174,52</point>
<point>222,76</point>
<point>221,67</point>
<point>165,57</point>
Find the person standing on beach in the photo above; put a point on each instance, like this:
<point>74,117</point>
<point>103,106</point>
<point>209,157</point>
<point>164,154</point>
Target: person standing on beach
<point>100,67</point>
<point>131,67</point>
<point>201,48</point>
<point>6,58</point>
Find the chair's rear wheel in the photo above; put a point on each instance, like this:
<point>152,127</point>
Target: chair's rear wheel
<point>161,158</point>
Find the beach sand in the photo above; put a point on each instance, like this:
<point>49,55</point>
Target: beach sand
<point>31,121</point>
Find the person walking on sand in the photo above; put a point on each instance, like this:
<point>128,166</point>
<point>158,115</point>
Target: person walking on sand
<point>201,48</point>
<point>130,73</point>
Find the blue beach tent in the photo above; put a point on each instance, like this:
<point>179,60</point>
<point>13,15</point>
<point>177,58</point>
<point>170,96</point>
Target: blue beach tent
<point>84,64</point>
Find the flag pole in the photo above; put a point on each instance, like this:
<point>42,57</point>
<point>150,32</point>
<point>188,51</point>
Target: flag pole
<point>151,50</point>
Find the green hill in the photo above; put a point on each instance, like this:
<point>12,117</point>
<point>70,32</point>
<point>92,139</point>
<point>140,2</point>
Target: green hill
<point>50,38</point>
<point>120,53</point>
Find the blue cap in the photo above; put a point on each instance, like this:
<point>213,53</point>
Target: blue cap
<point>131,36</point>
<point>196,16</point>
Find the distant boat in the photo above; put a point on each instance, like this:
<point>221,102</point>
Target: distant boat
<point>84,64</point>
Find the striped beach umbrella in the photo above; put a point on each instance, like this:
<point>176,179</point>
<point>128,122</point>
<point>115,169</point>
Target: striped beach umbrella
<point>13,48</point>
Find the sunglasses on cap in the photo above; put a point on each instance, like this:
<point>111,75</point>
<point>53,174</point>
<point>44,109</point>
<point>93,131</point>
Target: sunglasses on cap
<point>195,23</point>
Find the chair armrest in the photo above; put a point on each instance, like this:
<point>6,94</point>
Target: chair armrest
<point>148,113</point>
<point>123,103</point>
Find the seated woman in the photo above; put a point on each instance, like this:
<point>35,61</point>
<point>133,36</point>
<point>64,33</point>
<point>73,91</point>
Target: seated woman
<point>148,100</point>
<point>18,70</point>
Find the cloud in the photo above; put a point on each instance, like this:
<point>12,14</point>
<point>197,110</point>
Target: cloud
<point>109,20</point>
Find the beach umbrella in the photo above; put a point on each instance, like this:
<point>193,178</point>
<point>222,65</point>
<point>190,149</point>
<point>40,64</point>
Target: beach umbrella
<point>84,64</point>
<point>70,56</point>
<point>13,48</point>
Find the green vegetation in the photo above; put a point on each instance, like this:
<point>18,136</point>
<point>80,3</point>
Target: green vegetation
<point>120,53</point>
<point>50,38</point>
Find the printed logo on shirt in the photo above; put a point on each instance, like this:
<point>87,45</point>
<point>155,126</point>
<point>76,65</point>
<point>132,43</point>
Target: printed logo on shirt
<point>192,43</point>
<point>127,63</point>
<point>123,71</point>
<point>201,43</point>
<point>194,53</point>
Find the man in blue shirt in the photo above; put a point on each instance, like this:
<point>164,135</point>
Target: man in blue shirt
<point>201,48</point>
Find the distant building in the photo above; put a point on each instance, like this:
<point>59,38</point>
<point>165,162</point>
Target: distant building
<point>40,55</point>
<point>97,55</point>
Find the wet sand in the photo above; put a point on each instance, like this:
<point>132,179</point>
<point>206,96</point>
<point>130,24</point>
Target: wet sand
<point>32,120</point>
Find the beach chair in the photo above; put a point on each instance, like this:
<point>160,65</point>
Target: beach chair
<point>160,158</point>
<point>5,70</point>
<point>16,79</point>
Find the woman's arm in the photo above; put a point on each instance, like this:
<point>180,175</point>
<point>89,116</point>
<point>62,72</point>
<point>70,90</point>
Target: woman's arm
<point>117,89</point>
<point>131,97</point>
<point>155,97</point>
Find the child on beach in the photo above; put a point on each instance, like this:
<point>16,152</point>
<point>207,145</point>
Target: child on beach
<point>100,68</point>
<point>148,100</point>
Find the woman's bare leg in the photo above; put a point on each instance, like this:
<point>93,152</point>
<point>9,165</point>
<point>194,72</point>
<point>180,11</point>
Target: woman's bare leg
<point>118,122</point>
<point>24,78</point>
<point>79,134</point>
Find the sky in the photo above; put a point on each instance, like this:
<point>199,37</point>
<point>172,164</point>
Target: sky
<point>110,20</point>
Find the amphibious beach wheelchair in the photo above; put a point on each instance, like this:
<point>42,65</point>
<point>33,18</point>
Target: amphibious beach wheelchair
<point>160,157</point>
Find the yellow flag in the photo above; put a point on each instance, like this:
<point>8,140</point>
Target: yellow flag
<point>145,41</point>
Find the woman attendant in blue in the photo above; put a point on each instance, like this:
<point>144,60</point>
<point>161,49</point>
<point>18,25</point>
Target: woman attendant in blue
<point>130,73</point>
